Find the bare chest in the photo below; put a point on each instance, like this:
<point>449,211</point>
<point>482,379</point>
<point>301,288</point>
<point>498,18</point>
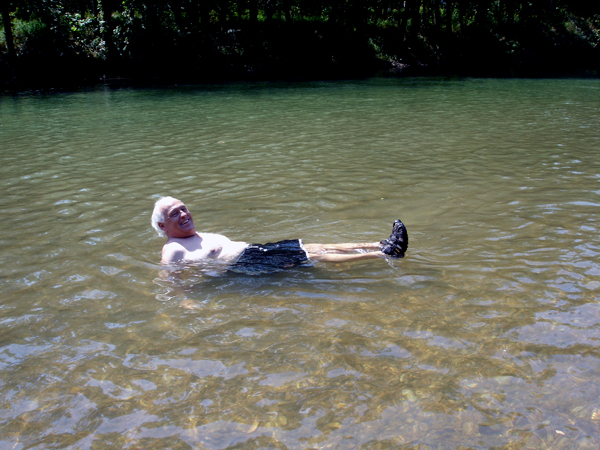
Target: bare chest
<point>206,250</point>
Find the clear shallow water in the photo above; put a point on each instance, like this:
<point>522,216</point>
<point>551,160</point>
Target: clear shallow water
<point>485,335</point>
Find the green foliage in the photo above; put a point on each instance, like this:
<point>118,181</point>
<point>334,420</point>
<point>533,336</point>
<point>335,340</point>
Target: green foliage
<point>236,37</point>
<point>86,34</point>
<point>22,31</point>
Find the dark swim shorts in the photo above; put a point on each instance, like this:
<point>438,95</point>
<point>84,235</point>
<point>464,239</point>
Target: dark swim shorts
<point>272,257</point>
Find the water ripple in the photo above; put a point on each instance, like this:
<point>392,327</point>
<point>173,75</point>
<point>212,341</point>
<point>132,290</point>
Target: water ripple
<point>485,334</point>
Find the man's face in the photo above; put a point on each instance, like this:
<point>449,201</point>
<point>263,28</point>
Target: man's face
<point>178,221</point>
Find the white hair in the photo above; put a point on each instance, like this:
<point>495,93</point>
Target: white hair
<point>158,214</point>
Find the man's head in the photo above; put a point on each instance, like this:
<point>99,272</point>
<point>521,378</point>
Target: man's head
<point>171,218</point>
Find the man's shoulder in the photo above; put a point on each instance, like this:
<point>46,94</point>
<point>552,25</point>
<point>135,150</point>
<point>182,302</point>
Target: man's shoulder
<point>172,252</point>
<point>173,244</point>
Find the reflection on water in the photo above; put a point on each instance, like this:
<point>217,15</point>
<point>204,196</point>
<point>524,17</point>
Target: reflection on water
<point>485,335</point>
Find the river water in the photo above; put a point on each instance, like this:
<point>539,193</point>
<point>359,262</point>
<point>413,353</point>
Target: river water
<point>487,334</point>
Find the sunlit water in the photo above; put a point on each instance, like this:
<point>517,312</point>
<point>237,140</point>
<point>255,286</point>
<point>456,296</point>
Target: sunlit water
<point>487,334</point>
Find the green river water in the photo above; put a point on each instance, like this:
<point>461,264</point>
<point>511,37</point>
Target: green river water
<point>486,335</point>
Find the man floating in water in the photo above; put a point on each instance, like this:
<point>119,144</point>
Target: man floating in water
<point>172,219</point>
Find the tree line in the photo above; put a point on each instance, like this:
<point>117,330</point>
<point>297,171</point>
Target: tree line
<point>76,39</point>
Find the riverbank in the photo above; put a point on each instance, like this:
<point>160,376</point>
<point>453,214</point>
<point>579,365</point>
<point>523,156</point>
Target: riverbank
<point>86,74</point>
<point>304,51</point>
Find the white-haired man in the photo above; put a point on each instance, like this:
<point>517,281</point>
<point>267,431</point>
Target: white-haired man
<point>172,219</point>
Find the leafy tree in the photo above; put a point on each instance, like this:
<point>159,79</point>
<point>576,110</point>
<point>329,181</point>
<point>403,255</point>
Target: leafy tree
<point>233,37</point>
<point>8,34</point>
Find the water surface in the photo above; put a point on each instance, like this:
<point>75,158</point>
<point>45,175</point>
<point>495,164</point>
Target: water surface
<point>485,335</point>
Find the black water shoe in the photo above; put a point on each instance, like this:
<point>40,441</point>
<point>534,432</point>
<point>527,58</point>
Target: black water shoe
<point>397,244</point>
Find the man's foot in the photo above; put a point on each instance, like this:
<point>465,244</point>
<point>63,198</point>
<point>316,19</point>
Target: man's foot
<point>397,244</point>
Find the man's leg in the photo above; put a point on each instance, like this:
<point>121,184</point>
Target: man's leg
<point>395,246</point>
<point>321,249</point>
<point>344,252</point>
<point>345,257</point>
